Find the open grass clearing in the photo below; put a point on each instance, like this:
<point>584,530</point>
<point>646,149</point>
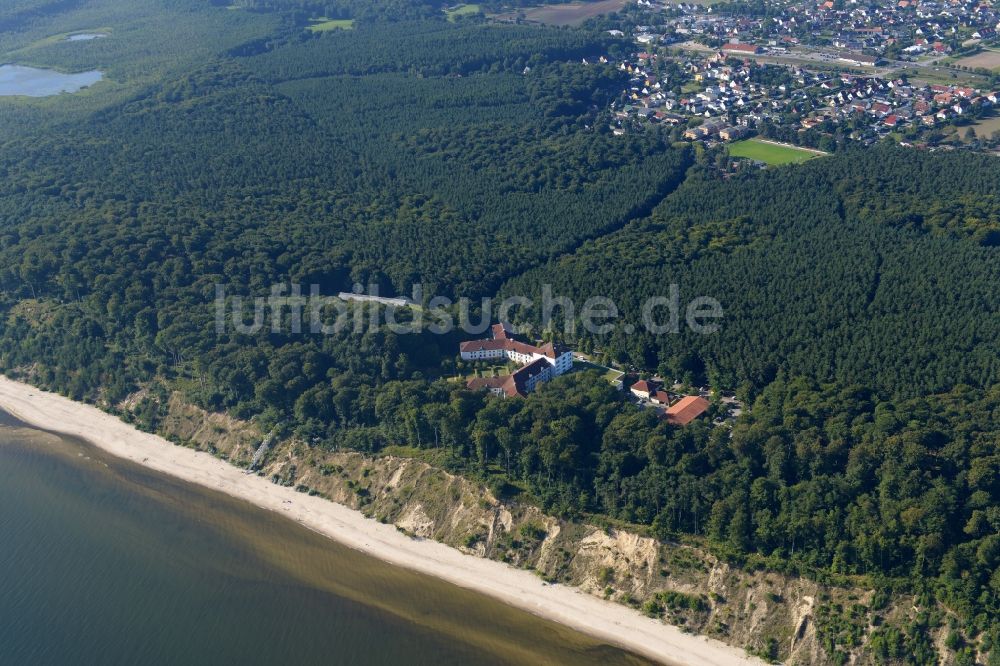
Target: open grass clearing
<point>327,25</point>
<point>610,374</point>
<point>457,11</point>
<point>985,127</point>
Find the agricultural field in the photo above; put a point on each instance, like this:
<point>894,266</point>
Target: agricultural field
<point>326,25</point>
<point>985,127</point>
<point>987,59</point>
<point>772,153</point>
<point>461,10</point>
<point>571,14</point>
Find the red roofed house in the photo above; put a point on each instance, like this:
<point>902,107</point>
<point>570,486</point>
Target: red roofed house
<point>644,389</point>
<point>686,410</point>
<point>881,109</point>
<point>661,398</point>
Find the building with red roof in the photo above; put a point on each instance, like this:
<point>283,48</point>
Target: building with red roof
<point>661,397</point>
<point>644,388</point>
<point>686,409</point>
<point>742,49</point>
<point>540,363</point>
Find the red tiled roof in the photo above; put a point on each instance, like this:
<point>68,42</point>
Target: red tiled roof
<point>741,48</point>
<point>686,410</point>
<point>548,349</point>
<point>477,383</point>
<point>482,345</point>
<point>644,386</point>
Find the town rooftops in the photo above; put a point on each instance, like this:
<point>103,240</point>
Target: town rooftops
<point>686,410</point>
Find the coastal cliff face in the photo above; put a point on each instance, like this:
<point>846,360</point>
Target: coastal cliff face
<point>775,616</point>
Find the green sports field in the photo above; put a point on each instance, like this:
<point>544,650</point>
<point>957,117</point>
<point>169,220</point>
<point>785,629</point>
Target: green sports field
<point>771,153</point>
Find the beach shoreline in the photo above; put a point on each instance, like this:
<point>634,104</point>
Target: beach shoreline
<point>608,621</point>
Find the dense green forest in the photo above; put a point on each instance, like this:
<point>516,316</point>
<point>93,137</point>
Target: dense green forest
<point>878,267</point>
<point>352,171</point>
<point>859,290</point>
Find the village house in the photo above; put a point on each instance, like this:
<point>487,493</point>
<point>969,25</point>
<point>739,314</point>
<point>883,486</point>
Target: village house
<point>644,388</point>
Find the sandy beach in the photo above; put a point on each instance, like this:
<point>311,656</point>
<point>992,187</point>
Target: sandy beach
<point>608,621</point>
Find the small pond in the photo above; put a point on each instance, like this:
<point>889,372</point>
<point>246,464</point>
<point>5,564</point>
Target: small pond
<point>85,37</point>
<point>34,82</point>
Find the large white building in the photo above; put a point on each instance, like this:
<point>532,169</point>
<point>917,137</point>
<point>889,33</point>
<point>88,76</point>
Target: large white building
<point>540,364</point>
